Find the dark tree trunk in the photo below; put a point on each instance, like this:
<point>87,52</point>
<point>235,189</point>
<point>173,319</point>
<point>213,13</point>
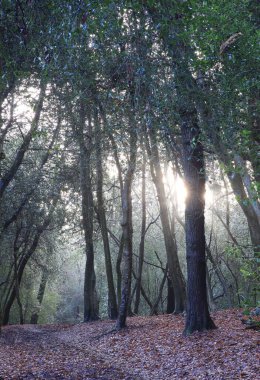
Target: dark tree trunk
<point>127,229</point>
<point>90,294</point>
<point>16,280</point>
<point>121,245</point>
<point>170,297</point>
<point>127,253</point>
<point>120,178</point>
<point>41,291</point>
<point>198,317</point>
<point>118,269</point>
<point>112,304</point>
<point>142,240</point>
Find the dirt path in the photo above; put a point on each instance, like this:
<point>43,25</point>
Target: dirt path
<point>151,348</point>
<point>41,352</point>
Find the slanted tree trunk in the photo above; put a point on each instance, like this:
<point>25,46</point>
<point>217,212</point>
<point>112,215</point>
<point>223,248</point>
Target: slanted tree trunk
<point>154,310</point>
<point>20,270</point>
<point>127,228</point>
<point>40,295</point>
<point>175,273</point>
<point>90,294</point>
<point>248,209</point>
<point>198,317</point>
<point>16,280</point>
<point>9,175</point>
<point>112,304</point>
<point>237,175</point>
<point>144,295</point>
<point>220,276</point>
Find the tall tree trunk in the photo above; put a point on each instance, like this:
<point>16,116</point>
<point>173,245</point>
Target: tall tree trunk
<point>120,178</point>
<point>118,269</point>
<point>142,240</point>
<point>175,272</point>
<point>90,294</point>
<point>198,317</point>
<point>127,228</point>
<point>170,297</point>
<point>40,295</point>
<point>211,302</point>
<point>16,280</point>
<point>112,304</point>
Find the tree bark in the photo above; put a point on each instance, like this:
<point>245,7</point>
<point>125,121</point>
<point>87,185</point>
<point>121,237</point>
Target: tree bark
<point>118,269</point>
<point>112,304</point>
<point>127,228</point>
<point>248,209</point>
<point>248,204</point>
<point>40,295</point>
<point>170,297</point>
<point>212,306</point>
<point>175,272</point>
<point>220,276</point>
<point>90,294</point>
<point>16,281</point>
<point>154,310</point>
<point>142,240</point>
<point>198,317</point>
<point>20,269</point>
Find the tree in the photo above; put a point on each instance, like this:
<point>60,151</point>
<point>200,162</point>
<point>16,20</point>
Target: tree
<point>40,295</point>
<point>80,82</point>
<point>127,227</point>
<point>175,273</point>
<point>198,317</point>
<point>86,147</point>
<point>112,304</point>
<point>143,232</point>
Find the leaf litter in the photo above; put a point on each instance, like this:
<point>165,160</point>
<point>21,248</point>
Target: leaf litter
<point>150,348</point>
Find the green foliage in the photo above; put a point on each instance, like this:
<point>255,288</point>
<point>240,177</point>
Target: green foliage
<point>49,306</point>
<point>251,275</point>
<point>97,53</point>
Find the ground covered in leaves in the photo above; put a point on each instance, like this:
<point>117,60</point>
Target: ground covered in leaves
<point>150,348</point>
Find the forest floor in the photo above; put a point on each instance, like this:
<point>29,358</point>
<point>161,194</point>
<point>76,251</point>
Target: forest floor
<point>150,348</point>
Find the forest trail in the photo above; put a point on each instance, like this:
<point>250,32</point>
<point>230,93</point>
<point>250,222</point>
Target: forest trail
<point>150,348</point>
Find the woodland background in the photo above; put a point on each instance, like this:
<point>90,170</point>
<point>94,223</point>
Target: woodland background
<point>93,99</point>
